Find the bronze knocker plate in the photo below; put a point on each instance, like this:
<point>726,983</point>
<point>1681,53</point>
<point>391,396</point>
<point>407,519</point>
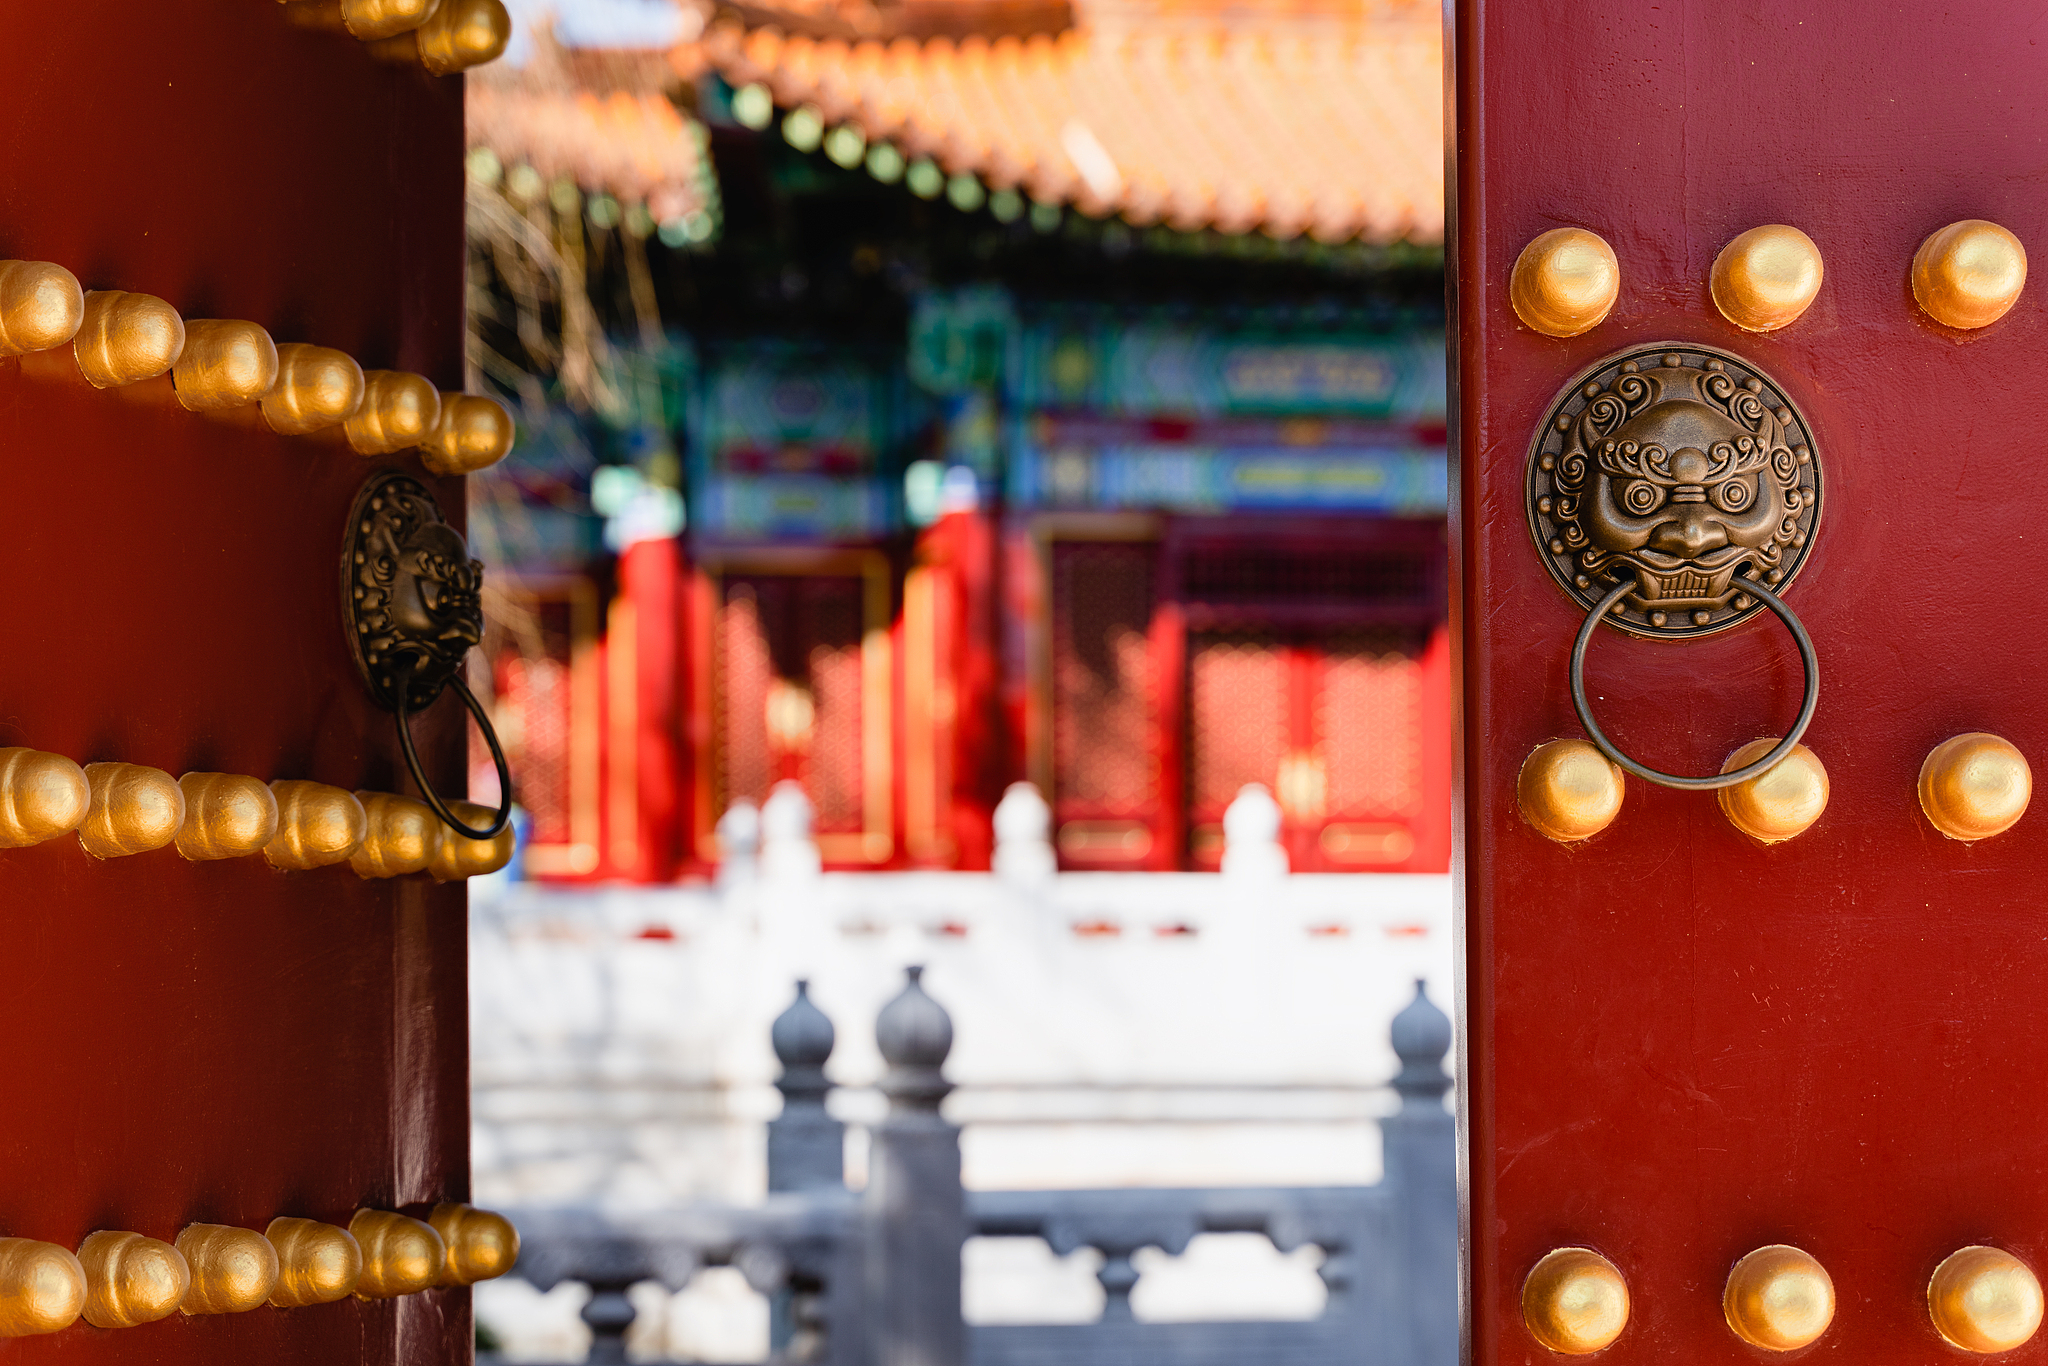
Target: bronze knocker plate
<point>1683,470</point>
<point>412,600</point>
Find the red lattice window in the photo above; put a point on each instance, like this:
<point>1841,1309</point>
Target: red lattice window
<point>1105,771</point>
<point>1370,723</point>
<point>789,691</point>
<point>534,696</point>
<point>1330,722</point>
<point>1237,718</point>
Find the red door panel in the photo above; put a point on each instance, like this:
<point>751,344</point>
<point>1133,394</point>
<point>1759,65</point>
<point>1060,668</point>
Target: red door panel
<point>1681,1044</point>
<point>1106,775</point>
<point>218,1041</point>
<point>790,693</point>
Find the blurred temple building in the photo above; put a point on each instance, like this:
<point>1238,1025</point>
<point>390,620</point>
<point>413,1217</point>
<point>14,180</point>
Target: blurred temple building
<point>920,397</point>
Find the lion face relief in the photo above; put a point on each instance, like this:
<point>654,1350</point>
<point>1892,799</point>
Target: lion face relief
<point>1682,472</point>
<point>411,589</point>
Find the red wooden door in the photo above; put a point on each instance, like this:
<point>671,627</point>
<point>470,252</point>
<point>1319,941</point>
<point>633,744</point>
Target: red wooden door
<point>1105,684</point>
<point>1683,1045</point>
<point>1338,725</point>
<point>218,1041</point>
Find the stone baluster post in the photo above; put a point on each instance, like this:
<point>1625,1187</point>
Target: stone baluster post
<point>739,845</point>
<point>1251,836</point>
<point>1421,1171</point>
<point>915,1209</point>
<point>806,1152</point>
<point>1024,856</point>
<point>806,1146</point>
<point>788,852</point>
<point>610,1314</point>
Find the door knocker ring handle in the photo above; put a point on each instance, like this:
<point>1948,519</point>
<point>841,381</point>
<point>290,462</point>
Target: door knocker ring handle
<point>419,774</point>
<point>1807,658</point>
<point>413,602</point>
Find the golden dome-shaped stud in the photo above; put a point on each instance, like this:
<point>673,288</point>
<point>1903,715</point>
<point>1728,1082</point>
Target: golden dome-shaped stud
<point>1765,278</point>
<point>473,433</point>
<point>401,1255</point>
<point>400,410</point>
<point>400,836</point>
<point>225,364</point>
<point>1574,1301</point>
<point>227,815</point>
<point>317,387</point>
<point>233,1269</point>
<point>42,796</point>
<point>134,809</point>
<point>316,1263</point>
<point>131,1280</point>
<point>1985,1300</point>
<point>42,1287</point>
<point>458,856</point>
<point>1565,282</point>
<point>1568,790</point>
<point>1969,274</point>
<point>1779,1298</point>
<point>369,20</point>
<point>126,338</point>
<point>41,306</point>
<point>482,1246</point>
<point>1781,803</point>
<point>1974,786</point>
<point>461,34</point>
<point>316,825</point>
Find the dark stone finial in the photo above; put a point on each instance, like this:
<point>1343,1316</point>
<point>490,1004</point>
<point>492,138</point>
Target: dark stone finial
<point>915,1035</point>
<point>1422,1036</point>
<point>802,1037</point>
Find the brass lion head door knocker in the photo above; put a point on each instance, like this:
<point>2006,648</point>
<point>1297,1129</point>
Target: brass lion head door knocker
<point>413,602</point>
<point>1673,492</point>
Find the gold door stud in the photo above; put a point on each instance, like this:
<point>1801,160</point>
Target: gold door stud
<point>1568,790</point>
<point>1779,1298</point>
<point>316,1263</point>
<point>1975,785</point>
<point>1565,282</point>
<point>1766,278</point>
<point>1775,806</point>
<point>1969,274</point>
<point>131,1280</point>
<point>401,1255</point>
<point>233,1269</point>
<point>1985,1300</point>
<point>42,1287</point>
<point>1575,1301</point>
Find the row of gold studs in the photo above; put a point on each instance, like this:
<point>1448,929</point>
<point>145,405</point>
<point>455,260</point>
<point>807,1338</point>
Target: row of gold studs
<point>1779,1298</point>
<point>124,809</point>
<point>118,338</point>
<point>1971,787</point>
<point>123,1280</point>
<point>444,36</point>
<point>1966,275</point>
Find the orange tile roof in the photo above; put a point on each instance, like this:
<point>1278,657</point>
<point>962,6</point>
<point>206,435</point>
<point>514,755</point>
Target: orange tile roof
<point>1290,117</point>
<point>1296,120</point>
<point>603,121</point>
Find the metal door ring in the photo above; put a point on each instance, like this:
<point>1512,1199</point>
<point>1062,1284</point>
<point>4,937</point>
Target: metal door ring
<point>419,773</point>
<point>1807,658</point>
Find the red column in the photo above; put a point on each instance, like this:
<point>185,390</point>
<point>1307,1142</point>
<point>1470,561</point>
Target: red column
<point>646,807</point>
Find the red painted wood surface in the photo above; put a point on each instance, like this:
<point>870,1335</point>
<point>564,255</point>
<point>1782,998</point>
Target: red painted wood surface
<point>651,578</point>
<point>1680,1045</point>
<point>962,547</point>
<point>218,1041</point>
